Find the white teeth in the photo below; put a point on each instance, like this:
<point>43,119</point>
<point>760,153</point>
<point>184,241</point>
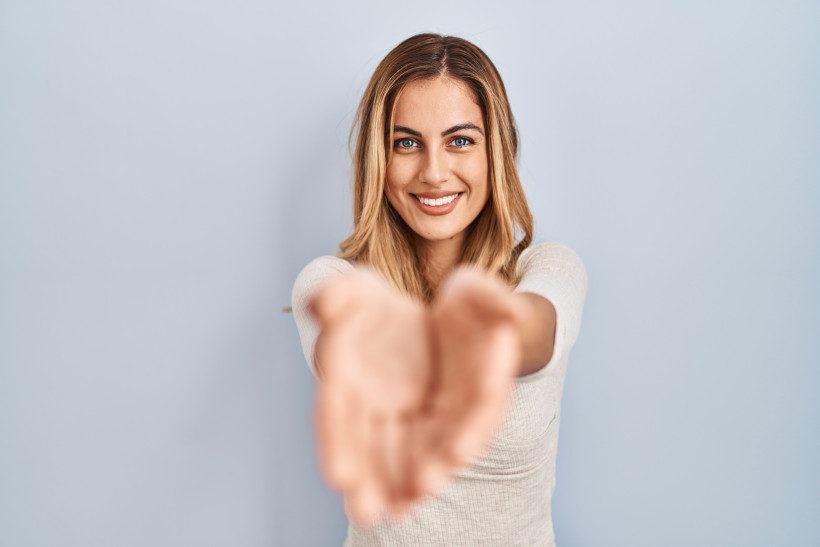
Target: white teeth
<point>437,202</point>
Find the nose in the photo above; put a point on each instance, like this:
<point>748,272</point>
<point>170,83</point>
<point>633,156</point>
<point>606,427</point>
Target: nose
<point>435,168</point>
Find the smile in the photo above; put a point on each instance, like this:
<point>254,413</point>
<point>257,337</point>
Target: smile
<point>436,202</point>
<point>433,204</point>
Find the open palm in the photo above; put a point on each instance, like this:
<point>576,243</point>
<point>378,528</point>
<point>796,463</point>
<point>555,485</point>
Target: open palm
<point>407,393</point>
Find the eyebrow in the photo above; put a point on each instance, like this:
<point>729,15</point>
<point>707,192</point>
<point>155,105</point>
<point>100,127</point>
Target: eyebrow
<point>462,127</point>
<point>454,129</point>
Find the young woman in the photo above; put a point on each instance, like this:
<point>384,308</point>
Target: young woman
<point>439,336</point>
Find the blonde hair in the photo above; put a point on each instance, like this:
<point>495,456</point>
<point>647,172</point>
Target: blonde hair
<point>381,238</point>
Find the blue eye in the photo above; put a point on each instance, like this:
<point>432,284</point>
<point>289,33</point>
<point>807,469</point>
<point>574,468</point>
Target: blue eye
<point>461,141</point>
<point>405,143</point>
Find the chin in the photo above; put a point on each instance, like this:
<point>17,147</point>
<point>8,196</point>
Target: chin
<point>437,235</point>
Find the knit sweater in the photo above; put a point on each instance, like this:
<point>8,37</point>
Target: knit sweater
<point>503,496</point>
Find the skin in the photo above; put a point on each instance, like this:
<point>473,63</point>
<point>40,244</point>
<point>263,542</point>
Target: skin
<point>429,157</point>
<point>410,393</point>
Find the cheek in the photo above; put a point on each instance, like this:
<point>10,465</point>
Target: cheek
<point>397,174</point>
<point>393,187</point>
<point>479,176</point>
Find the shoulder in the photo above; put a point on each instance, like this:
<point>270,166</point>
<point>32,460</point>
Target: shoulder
<point>552,256</point>
<point>324,266</point>
<point>556,272</point>
<point>311,276</point>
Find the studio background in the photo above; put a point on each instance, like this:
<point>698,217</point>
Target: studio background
<point>167,168</point>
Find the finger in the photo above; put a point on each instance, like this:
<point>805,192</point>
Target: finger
<point>338,426</point>
<point>397,447</point>
<point>482,293</point>
<point>335,360</point>
<point>334,298</point>
<point>378,454</point>
<point>433,469</point>
<point>475,423</point>
<point>430,471</point>
<point>465,422</point>
<point>433,475</point>
<point>329,300</point>
<point>368,496</point>
<point>364,504</point>
<point>473,430</point>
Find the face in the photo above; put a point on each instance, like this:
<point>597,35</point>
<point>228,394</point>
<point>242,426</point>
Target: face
<point>437,176</point>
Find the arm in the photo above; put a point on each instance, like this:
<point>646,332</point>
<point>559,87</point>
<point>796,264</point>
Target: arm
<point>551,298</point>
<point>430,385</point>
<point>535,327</point>
<point>313,276</point>
<point>407,394</point>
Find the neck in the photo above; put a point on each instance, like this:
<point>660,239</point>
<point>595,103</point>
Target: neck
<point>439,258</point>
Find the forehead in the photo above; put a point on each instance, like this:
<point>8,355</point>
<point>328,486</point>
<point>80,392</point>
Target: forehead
<point>437,104</point>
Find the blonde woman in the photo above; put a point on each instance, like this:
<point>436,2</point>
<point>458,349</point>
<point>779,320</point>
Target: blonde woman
<point>439,336</point>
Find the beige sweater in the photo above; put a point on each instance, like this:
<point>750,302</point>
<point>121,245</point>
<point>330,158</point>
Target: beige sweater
<point>503,497</point>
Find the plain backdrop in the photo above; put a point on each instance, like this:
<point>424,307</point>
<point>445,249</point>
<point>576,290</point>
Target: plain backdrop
<point>167,168</point>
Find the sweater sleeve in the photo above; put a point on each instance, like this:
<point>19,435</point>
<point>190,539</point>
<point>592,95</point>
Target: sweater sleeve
<point>311,277</point>
<point>555,271</point>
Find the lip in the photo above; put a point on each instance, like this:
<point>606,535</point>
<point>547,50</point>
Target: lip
<point>435,195</point>
<point>434,210</point>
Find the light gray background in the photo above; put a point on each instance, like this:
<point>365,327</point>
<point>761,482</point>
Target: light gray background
<point>167,168</point>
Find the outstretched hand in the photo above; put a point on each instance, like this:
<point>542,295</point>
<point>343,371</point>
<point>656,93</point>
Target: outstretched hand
<point>407,394</point>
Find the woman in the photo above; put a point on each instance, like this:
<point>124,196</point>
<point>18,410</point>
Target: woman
<point>439,336</point>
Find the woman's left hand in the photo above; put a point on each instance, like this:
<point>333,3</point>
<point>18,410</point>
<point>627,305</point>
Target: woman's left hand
<point>476,354</point>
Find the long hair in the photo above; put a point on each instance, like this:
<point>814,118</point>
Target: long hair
<point>381,238</point>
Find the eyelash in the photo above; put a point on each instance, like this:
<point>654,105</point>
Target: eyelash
<point>397,142</point>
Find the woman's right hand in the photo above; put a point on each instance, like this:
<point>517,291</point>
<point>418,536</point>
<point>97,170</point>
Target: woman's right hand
<point>373,357</point>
